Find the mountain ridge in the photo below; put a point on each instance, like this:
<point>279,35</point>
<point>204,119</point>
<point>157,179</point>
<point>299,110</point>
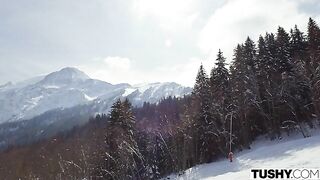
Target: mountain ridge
<point>71,87</point>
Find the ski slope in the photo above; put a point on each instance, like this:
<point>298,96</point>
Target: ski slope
<point>293,152</point>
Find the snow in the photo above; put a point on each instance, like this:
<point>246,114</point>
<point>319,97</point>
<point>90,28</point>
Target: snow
<point>145,86</point>
<point>71,87</point>
<point>89,98</point>
<point>31,103</point>
<point>128,91</point>
<point>160,90</point>
<point>21,84</point>
<point>285,153</point>
<point>35,100</point>
<point>65,76</point>
<point>6,85</point>
<point>51,87</point>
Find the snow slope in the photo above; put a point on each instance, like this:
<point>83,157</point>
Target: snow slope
<point>295,152</point>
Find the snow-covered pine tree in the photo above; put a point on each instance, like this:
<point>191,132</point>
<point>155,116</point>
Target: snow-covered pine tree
<point>205,129</point>
<point>314,43</point>
<point>250,59</point>
<point>302,72</point>
<point>221,97</point>
<point>122,157</point>
<point>237,88</point>
<point>283,53</point>
<point>263,74</point>
<point>220,87</point>
<point>188,133</point>
<point>279,60</point>
<point>272,85</point>
<point>289,87</point>
<point>316,92</point>
<point>314,61</point>
<point>298,45</point>
<point>245,90</point>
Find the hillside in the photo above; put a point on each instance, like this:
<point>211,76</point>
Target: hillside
<point>290,152</point>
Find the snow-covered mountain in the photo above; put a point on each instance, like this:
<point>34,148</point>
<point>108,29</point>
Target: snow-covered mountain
<point>71,87</point>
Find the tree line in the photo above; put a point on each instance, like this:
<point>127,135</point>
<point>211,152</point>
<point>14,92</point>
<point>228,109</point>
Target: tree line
<point>271,87</point>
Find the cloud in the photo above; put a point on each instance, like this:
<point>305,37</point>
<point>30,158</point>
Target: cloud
<point>112,69</point>
<point>137,40</point>
<point>118,63</point>
<point>168,43</point>
<point>169,14</point>
<point>122,70</point>
<point>184,74</point>
<point>237,19</point>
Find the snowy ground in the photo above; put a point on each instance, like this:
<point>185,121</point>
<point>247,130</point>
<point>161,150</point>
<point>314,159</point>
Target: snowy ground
<point>293,152</point>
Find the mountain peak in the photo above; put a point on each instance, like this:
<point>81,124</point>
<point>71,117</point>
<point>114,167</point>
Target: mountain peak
<point>65,76</point>
<point>72,70</point>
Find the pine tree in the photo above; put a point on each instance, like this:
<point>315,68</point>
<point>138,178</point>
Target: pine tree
<point>221,99</point>
<point>313,61</point>
<point>201,86</point>
<point>273,85</point>
<point>205,130</point>
<point>283,56</point>
<point>316,91</point>
<point>246,95</point>
<point>264,73</point>
<point>123,158</point>
<point>298,45</point>
<point>296,98</point>
<point>314,43</point>
<point>302,72</point>
<point>219,82</point>
<point>188,133</point>
<point>250,60</point>
<point>239,88</point>
<point>294,88</point>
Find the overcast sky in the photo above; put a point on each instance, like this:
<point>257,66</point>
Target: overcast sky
<point>134,41</point>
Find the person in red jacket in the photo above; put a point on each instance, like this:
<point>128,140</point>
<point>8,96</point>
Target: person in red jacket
<point>230,156</point>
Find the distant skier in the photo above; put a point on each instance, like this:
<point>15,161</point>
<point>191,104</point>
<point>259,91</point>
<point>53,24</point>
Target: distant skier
<point>230,156</point>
